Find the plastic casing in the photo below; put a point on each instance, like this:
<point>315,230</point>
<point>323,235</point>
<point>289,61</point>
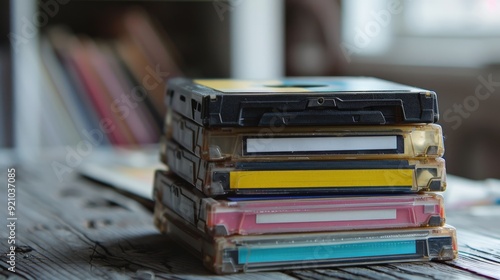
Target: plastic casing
<point>224,217</point>
<point>250,253</point>
<point>230,143</point>
<point>342,176</point>
<point>301,101</point>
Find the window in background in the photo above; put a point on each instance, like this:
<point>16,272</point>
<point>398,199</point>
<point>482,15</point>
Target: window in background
<point>452,18</point>
<point>457,33</point>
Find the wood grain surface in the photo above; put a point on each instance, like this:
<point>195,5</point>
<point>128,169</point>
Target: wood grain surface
<point>79,229</point>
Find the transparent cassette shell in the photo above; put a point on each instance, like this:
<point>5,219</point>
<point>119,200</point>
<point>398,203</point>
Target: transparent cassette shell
<point>267,252</point>
<point>308,143</point>
<point>300,177</point>
<point>224,217</point>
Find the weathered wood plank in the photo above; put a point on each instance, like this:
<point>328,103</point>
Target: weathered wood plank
<point>79,230</point>
<point>478,233</point>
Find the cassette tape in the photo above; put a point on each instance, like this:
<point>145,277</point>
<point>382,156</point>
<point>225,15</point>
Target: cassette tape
<point>224,217</point>
<point>297,177</point>
<point>300,101</point>
<point>250,253</point>
<point>313,142</point>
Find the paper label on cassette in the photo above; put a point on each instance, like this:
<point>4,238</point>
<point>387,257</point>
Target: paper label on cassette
<point>240,253</point>
<point>224,217</point>
<point>300,101</point>
<point>314,142</point>
<point>295,177</point>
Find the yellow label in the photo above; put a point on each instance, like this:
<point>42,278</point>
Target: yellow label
<point>225,85</point>
<point>320,178</point>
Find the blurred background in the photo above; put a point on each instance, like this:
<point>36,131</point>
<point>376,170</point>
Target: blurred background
<point>75,70</point>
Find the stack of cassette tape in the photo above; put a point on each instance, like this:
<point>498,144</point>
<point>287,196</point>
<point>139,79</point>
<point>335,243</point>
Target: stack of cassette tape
<point>303,173</point>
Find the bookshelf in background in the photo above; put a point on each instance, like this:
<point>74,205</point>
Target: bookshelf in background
<point>104,79</point>
<point>204,37</point>
<point>110,88</point>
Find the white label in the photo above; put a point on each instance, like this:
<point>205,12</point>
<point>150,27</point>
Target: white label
<point>321,144</point>
<point>310,217</point>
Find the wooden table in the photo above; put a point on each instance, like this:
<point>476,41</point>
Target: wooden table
<point>79,229</point>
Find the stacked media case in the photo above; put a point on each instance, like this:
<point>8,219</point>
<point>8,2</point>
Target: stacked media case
<point>303,173</point>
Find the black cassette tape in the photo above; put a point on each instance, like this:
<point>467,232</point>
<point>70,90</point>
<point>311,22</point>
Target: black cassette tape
<point>265,252</point>
<point>306,142</point>
<point>300,101</point>
<point>298,177</point>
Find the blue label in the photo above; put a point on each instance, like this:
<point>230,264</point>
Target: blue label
<point>325,251</point>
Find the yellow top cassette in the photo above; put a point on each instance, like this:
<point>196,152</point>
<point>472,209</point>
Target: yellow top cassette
<point>300,101</point>
<point>308,143</point>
